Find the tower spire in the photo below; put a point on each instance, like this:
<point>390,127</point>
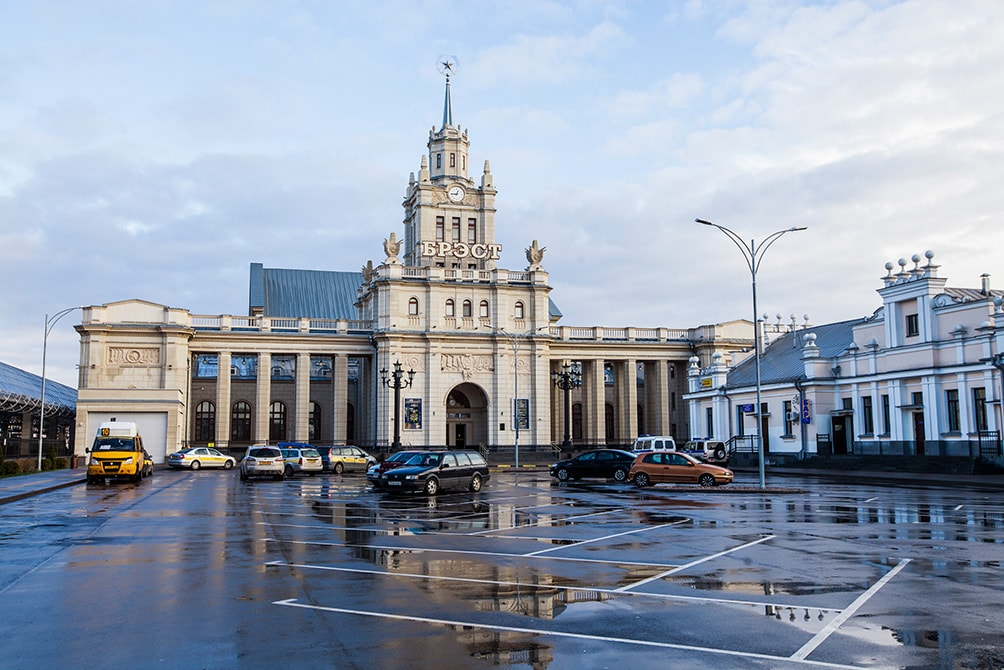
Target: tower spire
<point>447,106</point>
<point>447,66</point>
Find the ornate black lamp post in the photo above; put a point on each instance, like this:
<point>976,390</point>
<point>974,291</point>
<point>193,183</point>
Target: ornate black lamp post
<point>570,377</point>
<point>397,382</point>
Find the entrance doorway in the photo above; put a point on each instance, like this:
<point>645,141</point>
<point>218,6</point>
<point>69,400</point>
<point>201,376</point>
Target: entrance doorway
<point>841,431</point>
<point>918,433</point>
<point>466,416</point>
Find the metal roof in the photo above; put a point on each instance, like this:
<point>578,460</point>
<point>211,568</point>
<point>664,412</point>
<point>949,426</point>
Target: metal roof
<point>781,360</point>
<point>22,391</point>
<point>291,294</point>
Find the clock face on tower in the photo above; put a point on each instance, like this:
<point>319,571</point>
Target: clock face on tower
<point>456,193</point>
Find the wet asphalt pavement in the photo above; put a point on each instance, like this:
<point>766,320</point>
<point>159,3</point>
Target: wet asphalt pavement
<point>201,570</point>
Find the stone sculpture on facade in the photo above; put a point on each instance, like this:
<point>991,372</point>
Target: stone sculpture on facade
<point>392,247</point>
<point>535,254</point>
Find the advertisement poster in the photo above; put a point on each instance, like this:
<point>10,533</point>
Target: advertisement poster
<point>522,413</point>
<point>413,413</point>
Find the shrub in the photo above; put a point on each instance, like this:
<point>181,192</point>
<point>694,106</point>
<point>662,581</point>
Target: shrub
<point>62,463</point>
<point>9,468</point>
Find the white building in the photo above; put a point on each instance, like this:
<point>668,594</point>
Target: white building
<point>920,377</point>
<point>311,358</point>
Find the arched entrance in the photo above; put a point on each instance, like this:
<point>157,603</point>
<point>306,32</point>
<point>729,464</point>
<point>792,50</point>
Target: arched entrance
<point>466,417</point>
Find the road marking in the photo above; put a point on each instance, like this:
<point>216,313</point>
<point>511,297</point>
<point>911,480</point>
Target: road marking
<point>292,602</point>
<point>832,626</point>
<point>958,507</point>
<point>693,563</point>
<point>555,587</point>
<point>424,550</point>
<point>605,537</point>
<point>873,499</point>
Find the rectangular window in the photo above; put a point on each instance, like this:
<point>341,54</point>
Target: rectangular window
<point>740,421</point>
<point>439,160</point>
<point>847,403</point>
<point>886,425</point>
<point>440,229</point>
<point>952,409</point>
<point>867,417</point>
<point>980,408</point>
<point>912,325</point>
<point>453,160</point>
<point>207,366</point>
<point>917,398</point>
<point>472,231</point>
<point>456,229</point>
<point>709,416</point>
<point>788,422</point>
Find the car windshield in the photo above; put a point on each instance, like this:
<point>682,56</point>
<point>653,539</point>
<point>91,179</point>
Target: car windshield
<point>265,453</point>
<point>424,459</point>
<point>113,444</point>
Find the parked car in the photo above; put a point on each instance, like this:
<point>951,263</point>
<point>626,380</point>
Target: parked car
<point>603,463</point>
<point>432,472</point>
<point>147,464</point>
<point>657,467</point>
<point>263,461</point>
<point>654,443</point>
<point>395,460</point>
<point>301,458</point>
<point>200,457</point>
<point>345,459</point>
<point>710,451</point>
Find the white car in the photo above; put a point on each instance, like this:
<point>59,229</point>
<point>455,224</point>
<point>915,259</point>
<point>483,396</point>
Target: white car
<point>200,457</point>
<point>263,461</point>
<point>301,458</point>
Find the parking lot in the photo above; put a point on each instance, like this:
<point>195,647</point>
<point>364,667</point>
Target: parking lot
<point>533,573</point>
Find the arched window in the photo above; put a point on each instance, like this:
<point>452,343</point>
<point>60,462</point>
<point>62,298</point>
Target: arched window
<point>451,308</point>
<point>518,311</point>
<point>314,429</point>
<point>277,421</point>
<point>240,422</point>
<point>468,309</point>
<point>413,307</point>
<point>205,422</point>
<point>483,309</point>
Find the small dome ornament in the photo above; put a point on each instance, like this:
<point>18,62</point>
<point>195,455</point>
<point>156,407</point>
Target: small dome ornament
<point>535,254</point>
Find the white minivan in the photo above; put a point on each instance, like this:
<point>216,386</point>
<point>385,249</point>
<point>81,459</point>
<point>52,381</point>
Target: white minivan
<point>654,443</point>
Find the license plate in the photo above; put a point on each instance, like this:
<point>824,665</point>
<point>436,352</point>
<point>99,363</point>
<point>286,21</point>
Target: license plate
<point>393,483</point>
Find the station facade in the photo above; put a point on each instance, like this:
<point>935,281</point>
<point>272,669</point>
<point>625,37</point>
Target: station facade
<point>474,350</point>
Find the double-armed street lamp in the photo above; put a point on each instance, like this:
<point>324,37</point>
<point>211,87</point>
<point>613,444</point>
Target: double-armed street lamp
<point>753,254</point>
<point>397,382</point>
<point>49,323</point>
<point>570,377</point>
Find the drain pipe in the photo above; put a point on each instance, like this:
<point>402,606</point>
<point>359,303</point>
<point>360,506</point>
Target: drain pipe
<point>802,429</point>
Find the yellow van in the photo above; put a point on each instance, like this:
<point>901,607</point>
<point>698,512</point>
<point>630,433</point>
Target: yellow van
<point>117,452</point>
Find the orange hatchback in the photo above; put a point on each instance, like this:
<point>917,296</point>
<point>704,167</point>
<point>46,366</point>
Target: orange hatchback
<point>658,467</point>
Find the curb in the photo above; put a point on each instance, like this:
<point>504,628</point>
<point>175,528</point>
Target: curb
<point>46,489</point>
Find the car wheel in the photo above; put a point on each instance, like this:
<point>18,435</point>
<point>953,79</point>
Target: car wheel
<point>227,465</point>
<point>288,471</point>
<point>138,477</point>
<point>475,483</point>
<point>431,486</point>
<point>707,480</point>
<point>562,474</point>
<point>620,475</point>
<point>339,467</point>
<point>641,480</point>
<point>720,454</point>
<point>196,465</point>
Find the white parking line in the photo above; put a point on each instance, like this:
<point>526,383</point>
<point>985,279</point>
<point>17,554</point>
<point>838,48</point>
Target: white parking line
<point>555,587</point>
<point>499,554</point>
<point>291,602</point>
<point>606,537</point>
<point>693,563</point>
<point>848,612</point>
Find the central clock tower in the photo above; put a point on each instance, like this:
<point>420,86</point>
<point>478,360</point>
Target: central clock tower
<point>449,220</point>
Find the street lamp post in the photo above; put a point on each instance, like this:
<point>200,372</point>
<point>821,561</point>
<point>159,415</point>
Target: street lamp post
<point>49,323</point>
<point>570,377</point>
<point>397,382</point>
<point>753,254</point>
<point>514,342</point>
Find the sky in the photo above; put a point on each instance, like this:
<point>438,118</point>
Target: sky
<point>156,149</point>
